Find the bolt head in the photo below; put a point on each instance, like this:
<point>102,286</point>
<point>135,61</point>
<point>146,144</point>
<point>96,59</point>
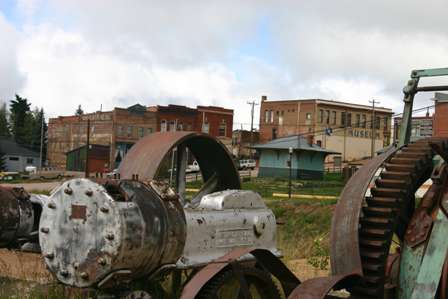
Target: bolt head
<point>51,205</point>
<point>104,210</point>
<point>84,275</point>
<point>45,230</point>
<point>110,237</point>
<point>68,191</point>
<point>49,256</point>
<point>64,273</point>
<point>89,193</point>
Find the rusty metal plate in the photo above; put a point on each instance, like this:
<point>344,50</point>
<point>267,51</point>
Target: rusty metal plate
<point>78,212</point>
<point>145,157</point>
<point>345,256</point>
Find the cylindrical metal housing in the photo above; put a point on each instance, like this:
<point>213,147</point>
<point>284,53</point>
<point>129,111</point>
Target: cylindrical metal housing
<point>16,215</point>
<point>96,234</point>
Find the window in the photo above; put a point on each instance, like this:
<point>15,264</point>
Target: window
<point>333,117</point>
<point>163,126</point>
<point>349,120</point>
<point>149,131</point>
<point>308,116</point>
<point>386,123</point>
<point>327,117</point>
<point>274,133</point>
<point>29,160</point>
<point>321,116</point>
<point>222,128</point>
<point>13,158</point>
<point>358,121</point>
<point>120,131</point>
<point>266,116</point>
<point>172,126</point>
<point>141,132</point>
<point>129,131</point>
<point>343,118</point>
<point>319,143</point>
<point>272,116</point>
<point>377,122</point>
<point>180,126</point>
<point>205,127</point>
<point>363,121</point>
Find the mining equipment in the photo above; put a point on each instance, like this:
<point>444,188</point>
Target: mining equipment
<point>107,234</point>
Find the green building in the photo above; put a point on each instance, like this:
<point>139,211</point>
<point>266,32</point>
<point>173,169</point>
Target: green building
<point>307,158</point>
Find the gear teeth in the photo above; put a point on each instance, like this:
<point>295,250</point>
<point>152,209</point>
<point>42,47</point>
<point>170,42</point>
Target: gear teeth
<point>379,218</point>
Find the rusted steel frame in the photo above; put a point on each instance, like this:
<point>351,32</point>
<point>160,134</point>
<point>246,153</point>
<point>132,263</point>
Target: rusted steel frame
<point>145,157</point>
<point>344,240</point>
<point>318,288</point>
<point>267,260</point>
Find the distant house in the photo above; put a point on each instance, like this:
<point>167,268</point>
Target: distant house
<point>98,158</point>
<point>16,156</point>
<point>307,158</point>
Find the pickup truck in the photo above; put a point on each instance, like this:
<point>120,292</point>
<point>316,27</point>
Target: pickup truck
<point>246,164</point>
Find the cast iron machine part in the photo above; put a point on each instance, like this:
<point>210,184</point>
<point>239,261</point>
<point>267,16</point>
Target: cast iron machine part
<point>105,234</point>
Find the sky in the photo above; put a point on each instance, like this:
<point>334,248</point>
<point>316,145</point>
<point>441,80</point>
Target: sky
<point>115,53</point>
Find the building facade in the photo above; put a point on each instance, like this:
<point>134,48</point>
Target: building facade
<point>242,140</point>
<point>441,115</point>
<point>421,127</point>
<point>122,127</point>
<point>337,126</point>
<point>119,129</point>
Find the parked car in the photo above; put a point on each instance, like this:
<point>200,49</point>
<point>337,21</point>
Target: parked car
<point>112,174</point>
<point>246,164</point>
<point>193,167</point>
<point>48,175</point>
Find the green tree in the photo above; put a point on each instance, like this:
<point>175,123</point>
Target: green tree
<point>39,130</point>
<point>21,121</point>
<point>4,126</point>
<point>2,162</point>
<point>79,111</point>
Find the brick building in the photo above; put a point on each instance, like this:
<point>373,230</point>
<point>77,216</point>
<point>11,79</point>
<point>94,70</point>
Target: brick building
<point>241,143</point>
<point>336,126</point>
<point>440,128</point>
<point>121,128</point>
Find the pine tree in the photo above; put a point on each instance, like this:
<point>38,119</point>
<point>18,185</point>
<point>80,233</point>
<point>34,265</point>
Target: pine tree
<point>4,126</point>
<point>79,111</point>
<point>21,121</point>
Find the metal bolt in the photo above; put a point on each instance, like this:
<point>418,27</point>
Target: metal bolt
<point>89,192</point>
<point>64,273</point>
<point>102,261</point>
<point>110,237</point>
<point>49,256</point>
<point>68,191</point>
<point>104,210</point>
<point>45,230</point>
<point>84,275</point>
<point>51,205</point>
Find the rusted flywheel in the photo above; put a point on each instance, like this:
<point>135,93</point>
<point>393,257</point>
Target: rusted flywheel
<point>146,159</point>
<point>367,230</point>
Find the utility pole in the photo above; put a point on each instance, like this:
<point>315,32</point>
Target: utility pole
<point>373,102</point>
<point>87,148</point>
<point>253,104</point>
<point>41,140</point>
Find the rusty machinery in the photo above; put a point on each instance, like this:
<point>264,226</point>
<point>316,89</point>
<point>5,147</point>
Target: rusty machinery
<point>386,242</point>
<point>104,234</point>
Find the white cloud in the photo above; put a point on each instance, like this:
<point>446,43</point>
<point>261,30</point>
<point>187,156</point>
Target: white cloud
<point>115,53</point>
